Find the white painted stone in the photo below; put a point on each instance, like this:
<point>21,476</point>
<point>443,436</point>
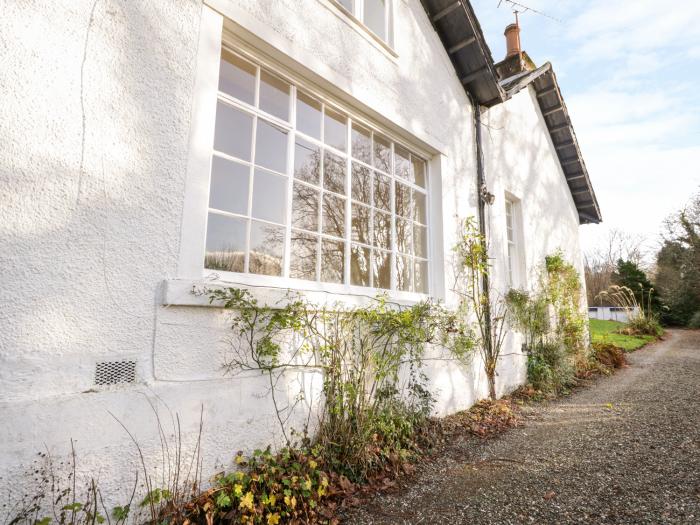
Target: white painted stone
<point>97,126</point>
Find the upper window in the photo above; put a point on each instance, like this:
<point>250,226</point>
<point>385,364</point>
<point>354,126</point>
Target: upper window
<point>375,14</point>
<point>511,238</point>
<point>300,189</point>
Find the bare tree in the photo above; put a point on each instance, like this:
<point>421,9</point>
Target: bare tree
<point>600,263</point>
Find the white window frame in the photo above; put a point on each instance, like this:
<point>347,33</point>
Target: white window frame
<point>357,13</point>
<point>513,242</point>
<point>193,230</point>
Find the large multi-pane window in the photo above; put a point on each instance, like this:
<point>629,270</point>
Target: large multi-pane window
<point>300,189</point>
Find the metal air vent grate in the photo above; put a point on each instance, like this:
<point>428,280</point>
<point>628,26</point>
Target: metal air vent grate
<point>115,372</point>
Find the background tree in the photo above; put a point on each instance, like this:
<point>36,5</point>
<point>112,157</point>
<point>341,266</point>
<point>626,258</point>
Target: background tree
<point>678,264</point>
<point>629,274</point>
<point>600,264</point>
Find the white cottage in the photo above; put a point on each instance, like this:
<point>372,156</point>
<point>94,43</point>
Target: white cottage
<point>326,146</point>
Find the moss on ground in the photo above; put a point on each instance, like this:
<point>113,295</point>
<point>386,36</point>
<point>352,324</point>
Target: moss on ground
<point>606,332</point>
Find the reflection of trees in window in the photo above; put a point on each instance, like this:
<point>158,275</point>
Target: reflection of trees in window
<point>332,261</point>
<point>359,265</point>
<point>382,153</point>
<point>382,192</point>
<point>381,269</point>
<point>334,168</point>
<point>382,230</point>
<point>361,144</point>
<point>227,259</point>
<point>361,183</point>
<point>305,207</point>
<point>266,249</point>
<point>304,254</point>
<point>333,215</point>
<point>307,162</point>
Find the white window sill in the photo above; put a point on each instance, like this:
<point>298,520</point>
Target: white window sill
<point>188,292</point>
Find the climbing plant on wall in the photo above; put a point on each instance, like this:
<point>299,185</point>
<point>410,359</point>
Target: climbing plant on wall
<point>371,359</point>
<point>553,325</point>
<point>486,310</point>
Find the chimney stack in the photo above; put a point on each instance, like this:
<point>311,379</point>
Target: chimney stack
<point>513,40</point>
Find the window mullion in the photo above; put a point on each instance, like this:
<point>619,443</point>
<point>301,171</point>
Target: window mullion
<point>290,176</point>
<point>394,250</point>
<point>322,168</point>
<point>348,198</point>
<point>251,182</point>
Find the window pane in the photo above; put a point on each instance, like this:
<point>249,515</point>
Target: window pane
<point>420,241</point>
<point>308,115</point>
<point>382,153</point>
<point>382,230</point>
<point>381,269</point>
<point>270,197</point>
<point>234,131</point>
<point>333,215</point>
<point>421,276</point>
<point>237,77</point>
<point>375,17</point>
<point>403,273</point>
<point>347,4</point>
<point>382,192</point>
<point>274,95</point>
<point>304,252</point>
<point>402,163</point>
<point>418,171</point>
<point>420,210</point>
<point>226,237</point>
<point>266,249</point>
<point>404,235</point>
<point>332,261</point>
<point>228,190</point>
<point>359,265</point>
<point>361,144</point>
<point>335,129</point>
<point>271,147</point>
<point>305,207</point>
<point>360,223</point>
<point>307,162</point>
<point>334,173</point>
<point>403,200</point>
<point>361,180</point>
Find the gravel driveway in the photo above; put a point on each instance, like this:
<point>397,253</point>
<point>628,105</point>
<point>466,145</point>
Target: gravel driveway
<point>625,450</point>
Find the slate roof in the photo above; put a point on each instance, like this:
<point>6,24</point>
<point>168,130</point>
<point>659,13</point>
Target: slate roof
<point>460,32</point>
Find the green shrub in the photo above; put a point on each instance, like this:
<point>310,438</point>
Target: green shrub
<point>550,369</point>
<point>643,325</point>
<point>695,320</point>
<point>289,486</point>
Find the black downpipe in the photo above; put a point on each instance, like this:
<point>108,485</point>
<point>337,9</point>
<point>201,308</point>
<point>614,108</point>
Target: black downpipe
<point>481,194</point>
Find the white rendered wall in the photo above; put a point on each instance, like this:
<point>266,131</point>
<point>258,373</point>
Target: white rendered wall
<point>521,162</point>
<point>96,124</point>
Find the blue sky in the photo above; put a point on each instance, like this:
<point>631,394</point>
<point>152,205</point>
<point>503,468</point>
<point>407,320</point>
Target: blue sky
<point>630,74</point>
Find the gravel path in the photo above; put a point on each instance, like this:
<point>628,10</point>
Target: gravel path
<point>625,450</point>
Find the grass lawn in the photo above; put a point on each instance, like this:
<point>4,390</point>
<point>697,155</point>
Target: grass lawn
<point>604,332</point>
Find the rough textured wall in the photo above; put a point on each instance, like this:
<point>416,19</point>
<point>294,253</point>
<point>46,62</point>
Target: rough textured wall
<point>521,160</point>
<point>95,124</point>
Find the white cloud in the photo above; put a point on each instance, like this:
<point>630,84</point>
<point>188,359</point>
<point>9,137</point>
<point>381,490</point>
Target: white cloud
<point>608,30</point>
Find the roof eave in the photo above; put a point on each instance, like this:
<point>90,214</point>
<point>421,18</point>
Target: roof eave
<point>561,130</point>
<point>460,32</point>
